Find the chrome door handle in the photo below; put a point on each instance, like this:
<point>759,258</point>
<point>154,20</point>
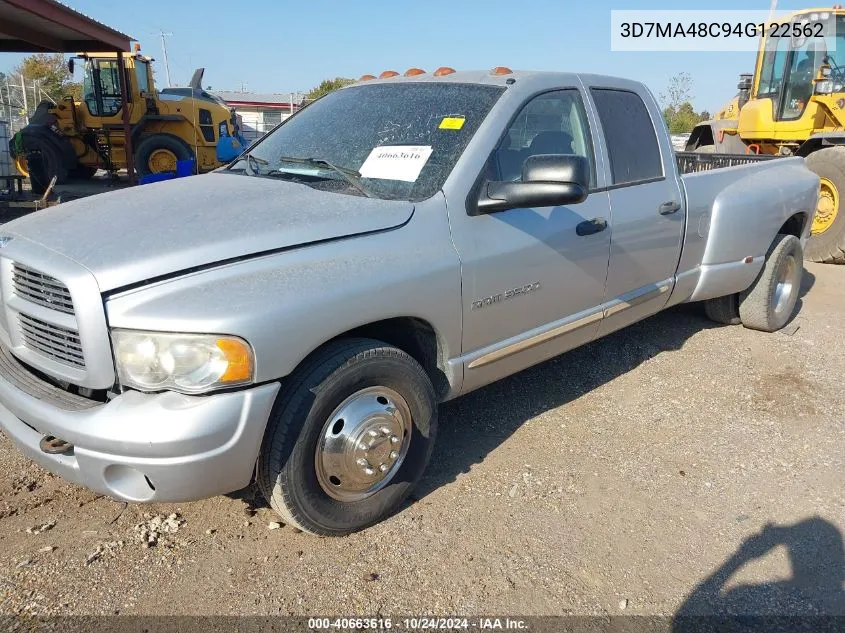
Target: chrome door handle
<point>668,208</point>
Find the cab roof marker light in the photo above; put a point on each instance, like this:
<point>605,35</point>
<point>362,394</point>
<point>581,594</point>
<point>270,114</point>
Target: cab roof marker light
<point>387,74</point>
<point>443,71</point>
<point>367,77</point>
<point>501,70</point>
<point>413,72</point>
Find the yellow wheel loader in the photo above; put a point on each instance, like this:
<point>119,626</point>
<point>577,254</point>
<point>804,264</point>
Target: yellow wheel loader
<point>792,105</point>
<point>73,139</point>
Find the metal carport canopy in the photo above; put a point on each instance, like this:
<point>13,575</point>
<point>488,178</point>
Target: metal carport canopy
<point>41,26</point>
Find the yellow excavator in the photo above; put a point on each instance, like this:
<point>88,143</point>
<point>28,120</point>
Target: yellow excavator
<point>73,139</point>
<point>792,105</point>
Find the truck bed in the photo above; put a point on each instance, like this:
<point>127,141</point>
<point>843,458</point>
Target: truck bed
<point>691,162</point>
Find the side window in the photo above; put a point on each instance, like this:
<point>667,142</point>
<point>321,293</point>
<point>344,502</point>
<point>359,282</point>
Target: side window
<point>631,139</point>
<point>141,76</point>
<point>774,62</point>
<point>551,123</point>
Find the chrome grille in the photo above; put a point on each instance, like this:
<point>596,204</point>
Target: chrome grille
<point>41,289</point>
<point>61,344</point>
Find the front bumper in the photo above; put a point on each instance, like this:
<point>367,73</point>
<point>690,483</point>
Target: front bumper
<point>138,447</point>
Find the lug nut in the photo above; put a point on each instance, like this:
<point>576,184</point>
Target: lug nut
<point>385,430</point>
<point>369,471</point>
<point>383,468</point>
<point>363,463</point>
<point>394,439</point>
<point>393,454</point>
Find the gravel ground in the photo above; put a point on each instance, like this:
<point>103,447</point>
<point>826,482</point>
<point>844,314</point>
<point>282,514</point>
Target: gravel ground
<point>636,475</point>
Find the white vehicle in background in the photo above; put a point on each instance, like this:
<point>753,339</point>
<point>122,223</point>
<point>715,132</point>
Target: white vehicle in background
<point>679,141</point>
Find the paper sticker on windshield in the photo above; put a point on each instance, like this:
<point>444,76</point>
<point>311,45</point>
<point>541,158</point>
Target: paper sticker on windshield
<point>396,162</point>
<point>452,123</point>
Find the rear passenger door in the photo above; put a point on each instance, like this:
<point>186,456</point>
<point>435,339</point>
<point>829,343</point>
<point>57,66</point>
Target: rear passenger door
<point>646,208</point>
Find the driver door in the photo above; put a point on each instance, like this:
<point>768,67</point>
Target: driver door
<point>101,89</point>
<point>532,286</point>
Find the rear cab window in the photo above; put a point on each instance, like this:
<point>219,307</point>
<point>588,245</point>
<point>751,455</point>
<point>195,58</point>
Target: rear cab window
<point>630,136</point>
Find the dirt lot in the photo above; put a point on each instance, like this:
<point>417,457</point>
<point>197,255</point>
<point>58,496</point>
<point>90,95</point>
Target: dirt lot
<point>631,476</point>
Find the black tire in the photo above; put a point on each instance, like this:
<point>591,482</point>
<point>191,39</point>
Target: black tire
<point>723,310</point>
<point>149,144</point>
<point>83,172</point>
<point>829,247</point>
<point>44,161</point>
<point>759,306</point>
<point>287,465</point>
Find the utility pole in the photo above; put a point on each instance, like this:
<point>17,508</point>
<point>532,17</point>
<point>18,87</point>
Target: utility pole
<point>25,104</point>
<point>772,8</point>
<point>164,54</point>
<point>9,101</point>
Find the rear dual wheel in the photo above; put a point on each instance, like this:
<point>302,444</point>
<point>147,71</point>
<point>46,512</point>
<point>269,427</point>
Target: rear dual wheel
<point>349,437</point>
<point>769,303</point>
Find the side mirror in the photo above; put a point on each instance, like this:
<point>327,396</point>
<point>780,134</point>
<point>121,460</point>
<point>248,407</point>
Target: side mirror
<point>548,180</point>
<point>70,66</point>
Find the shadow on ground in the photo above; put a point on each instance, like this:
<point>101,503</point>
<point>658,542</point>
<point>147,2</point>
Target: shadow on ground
<point>812,599</point>
<point>476,424</point>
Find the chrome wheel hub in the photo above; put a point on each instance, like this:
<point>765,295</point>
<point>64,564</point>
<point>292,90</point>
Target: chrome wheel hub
<point>363,443</point>
<point>786,284</point>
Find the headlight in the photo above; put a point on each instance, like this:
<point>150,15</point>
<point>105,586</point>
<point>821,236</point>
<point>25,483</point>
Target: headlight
<point>824,87</point>
<point>191,363</point>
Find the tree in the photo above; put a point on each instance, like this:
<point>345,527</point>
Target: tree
<point>326,86</point>
<point>678,91</point>
<point>678,110</point>
<point>49,72</point>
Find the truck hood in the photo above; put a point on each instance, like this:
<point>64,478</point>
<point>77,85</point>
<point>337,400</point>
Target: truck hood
<point>128,236</point>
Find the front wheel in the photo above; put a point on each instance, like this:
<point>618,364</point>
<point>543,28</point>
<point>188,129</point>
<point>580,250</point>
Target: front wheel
<point>349,437</point>
<point>43,162</point>
<point>22,166</point>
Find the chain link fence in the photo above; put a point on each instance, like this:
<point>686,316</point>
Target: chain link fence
<point>18,99</point>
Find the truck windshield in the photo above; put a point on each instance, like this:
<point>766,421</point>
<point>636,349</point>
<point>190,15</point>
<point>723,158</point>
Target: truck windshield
<point>395,141</point>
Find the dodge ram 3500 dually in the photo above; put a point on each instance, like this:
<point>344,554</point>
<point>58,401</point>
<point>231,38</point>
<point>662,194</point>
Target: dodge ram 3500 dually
<point>297,315</point>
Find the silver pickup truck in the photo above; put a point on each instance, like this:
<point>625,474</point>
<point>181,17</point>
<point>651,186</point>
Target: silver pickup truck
<point>297,316</point>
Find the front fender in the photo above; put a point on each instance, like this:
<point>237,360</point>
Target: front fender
<point>288,304</point>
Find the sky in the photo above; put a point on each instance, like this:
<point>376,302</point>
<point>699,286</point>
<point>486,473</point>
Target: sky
<point>282,46</point>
